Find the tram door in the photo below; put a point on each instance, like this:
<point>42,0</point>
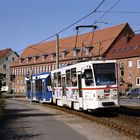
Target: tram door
<point>63,81</point>
<point>48,89</point>
<point>87,85</point>
<point>63,86</point>
<point>80,91</point>
<point>33,90</point>
<point>80,85</point>
<point>43,88</point>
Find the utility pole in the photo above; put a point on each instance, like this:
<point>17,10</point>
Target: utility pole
<point>57,51</point>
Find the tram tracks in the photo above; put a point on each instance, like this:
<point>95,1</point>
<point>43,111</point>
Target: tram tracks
<point>123,123</point>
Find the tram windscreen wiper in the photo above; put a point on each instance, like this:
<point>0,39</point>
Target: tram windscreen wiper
<point>109,84</point>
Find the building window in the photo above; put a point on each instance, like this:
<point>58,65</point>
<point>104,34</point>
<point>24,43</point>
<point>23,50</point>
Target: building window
<point>28,59</point>
<point>53,55</point>
<point>47,68</point>
<point>138,63</point>
<point>21,60</point>
<point>88,49</point>
<point>35,58</point>
<point>138,81</point>
<point>24,71</point>
<point>4,67</point>
<point>64,53</point>
<point>44,55</point>
<point>76,51</point>
<point>34,69</point>
<point>17,71</point>
<point>129,76</point>
<point>43,68</point>
<point>53,67</point>
<point>38,69</point>
<point>4,75</point>
<point>13,72</point>
<point>130,63</point>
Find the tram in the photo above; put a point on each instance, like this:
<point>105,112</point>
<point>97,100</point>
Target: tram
<point>83,86</point>
<point>86,86</point>
<point>38,87</point>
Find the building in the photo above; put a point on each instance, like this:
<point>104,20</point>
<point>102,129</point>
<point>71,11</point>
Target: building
<point>127,53</point>
<point>7,58</point>
<point>42,57</point>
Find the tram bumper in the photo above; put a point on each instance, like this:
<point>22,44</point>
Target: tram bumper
<point>91,105</point>
<point>107,104</point>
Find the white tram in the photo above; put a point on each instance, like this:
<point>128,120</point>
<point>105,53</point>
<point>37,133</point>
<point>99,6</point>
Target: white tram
<point>86,85</point>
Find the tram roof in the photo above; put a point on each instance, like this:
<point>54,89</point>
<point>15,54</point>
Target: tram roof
<point>82,64</point>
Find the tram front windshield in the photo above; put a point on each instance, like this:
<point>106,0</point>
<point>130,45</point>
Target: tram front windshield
<point>104,74</point>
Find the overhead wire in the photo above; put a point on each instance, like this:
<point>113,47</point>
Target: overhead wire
<point>107,11</point>
<point>79,21</point>
<point>103,16</point>
<point>120,12</point>
<point>100,19</point>
<point>93,11</point>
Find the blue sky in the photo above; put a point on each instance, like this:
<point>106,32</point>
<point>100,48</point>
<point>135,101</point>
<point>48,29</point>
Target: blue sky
<point>27,22</point>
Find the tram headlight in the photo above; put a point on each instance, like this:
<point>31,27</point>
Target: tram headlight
<point>114,96</point>
<point>101,97</point>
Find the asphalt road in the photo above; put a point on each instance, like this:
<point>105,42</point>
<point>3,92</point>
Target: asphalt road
<point>25,121</point>
<point>22,122</point>
<point>130,102</point>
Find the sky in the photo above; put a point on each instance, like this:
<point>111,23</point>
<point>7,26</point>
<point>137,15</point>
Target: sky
<point>27,22</point>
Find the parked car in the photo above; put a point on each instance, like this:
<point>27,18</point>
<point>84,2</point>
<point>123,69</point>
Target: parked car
<point>133,93</point>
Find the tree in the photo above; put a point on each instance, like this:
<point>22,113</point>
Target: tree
<point>12,77</point>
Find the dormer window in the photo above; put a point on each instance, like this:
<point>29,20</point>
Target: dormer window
<point>53,55</point>
<point>88,49</point>
<point>35,57</point>
<point>21,60</point>
<point>28,59</point>
<point>64,53</point>
<point>76,51</point>
<point>44,55</point>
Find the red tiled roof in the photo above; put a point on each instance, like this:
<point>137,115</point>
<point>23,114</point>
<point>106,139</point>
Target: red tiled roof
<point>102,40</point>
<point>125,49</point>
<point>4,52</point>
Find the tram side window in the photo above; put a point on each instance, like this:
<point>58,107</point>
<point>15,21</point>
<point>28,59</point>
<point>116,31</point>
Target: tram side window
<point>55,80</point>
<point>68,80</point>
<point>74,77</point>
<point>39,85</point>
<point>48,81</point>
<point>63,82</point>
<point>63,86</point>
<point>88,77</point>
<point>59,79</point>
